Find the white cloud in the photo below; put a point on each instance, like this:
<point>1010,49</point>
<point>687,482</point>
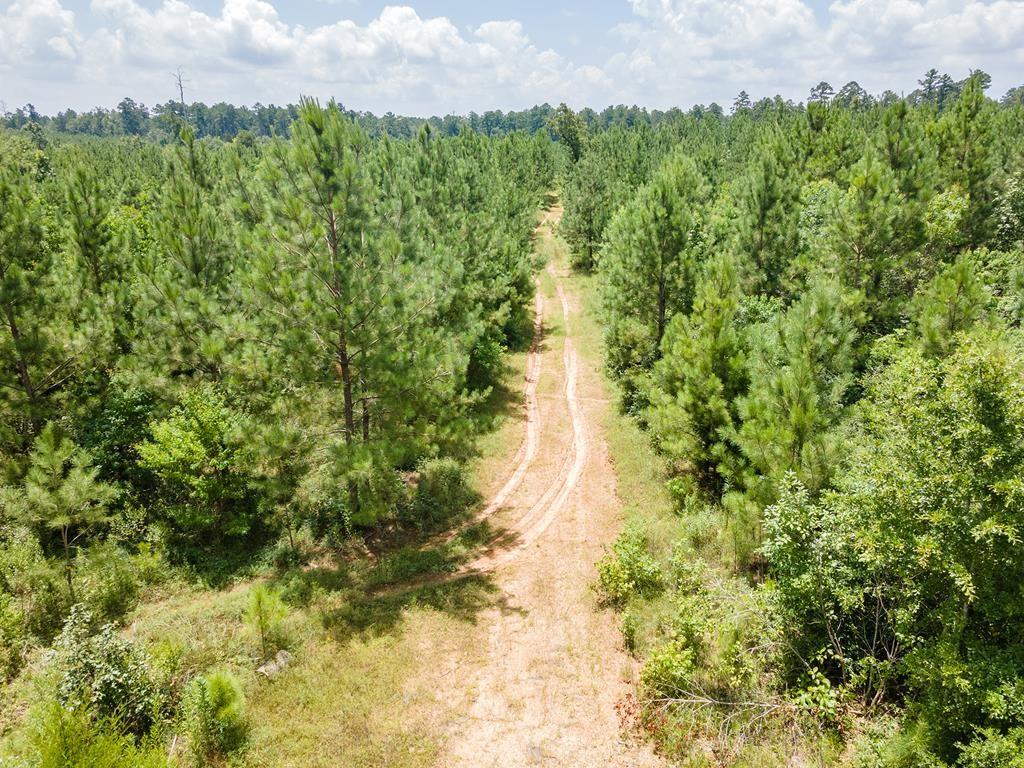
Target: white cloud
<point>673,52</point>
<point>32,31</point>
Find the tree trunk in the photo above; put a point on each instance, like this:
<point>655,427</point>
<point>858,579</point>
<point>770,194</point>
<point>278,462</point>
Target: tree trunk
<point>345,371</point>
<point>67,564</point>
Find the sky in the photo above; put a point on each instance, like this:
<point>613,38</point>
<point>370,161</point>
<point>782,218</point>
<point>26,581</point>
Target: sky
<point>431,57</point>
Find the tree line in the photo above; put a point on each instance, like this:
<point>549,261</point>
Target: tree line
<point>226,121</point>
<point>816,315</point>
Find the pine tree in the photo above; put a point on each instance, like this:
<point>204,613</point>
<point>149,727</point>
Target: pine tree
<point>587,196</point>
<point>60,493</point>
<point>649,268</point>
<point>741,103</point>
<point>800,371</point>
<point>874,239</point>
<point>701,374</point>
<point>966,150</point>
<point>766,228</point>
<point>40,347</point>
<point>189,292</point>
<point>340,299</point>
<point>954,301</point>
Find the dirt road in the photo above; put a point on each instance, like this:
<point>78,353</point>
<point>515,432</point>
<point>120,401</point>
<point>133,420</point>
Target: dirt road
<point>542,686</point>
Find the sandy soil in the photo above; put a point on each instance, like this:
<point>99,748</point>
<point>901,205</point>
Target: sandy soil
<point>542,686</point>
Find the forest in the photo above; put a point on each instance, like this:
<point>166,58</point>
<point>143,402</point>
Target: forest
<point>249,357</point>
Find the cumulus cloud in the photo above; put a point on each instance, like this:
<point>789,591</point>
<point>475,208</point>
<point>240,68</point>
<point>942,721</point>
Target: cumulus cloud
<point>33,31</point>
<point>710,49</point>
<point>672,52</point>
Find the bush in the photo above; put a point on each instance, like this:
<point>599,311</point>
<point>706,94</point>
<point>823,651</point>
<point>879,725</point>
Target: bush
<point>670,669</point>
<point>104,674</point>
<point>629,569</point>
<point>442,492</point>
<point>108,581</point>
<point>12,638</point>
<point>995,750</point>
<point>196,455</point>
<point>60,737</point>
<point>36,589</point>
<point>486,361</point>
<point>214,716</point>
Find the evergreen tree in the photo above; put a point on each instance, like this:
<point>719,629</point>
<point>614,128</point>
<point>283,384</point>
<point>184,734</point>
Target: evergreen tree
<point>587,197</point>
<point>766,225</point>
<point>700,376</point>
<point>966,150</point>
<point>874,239</point>
<point>954,301</point>
<point>40,347</point>
<point>340,303</point>
<point>656,244</point>
<point>189,290</point>
<point>60,493</point>
<point>800,373</point>
<point>569,130</point>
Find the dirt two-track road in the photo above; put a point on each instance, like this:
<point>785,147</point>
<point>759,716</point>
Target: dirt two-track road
<point>541,686</point>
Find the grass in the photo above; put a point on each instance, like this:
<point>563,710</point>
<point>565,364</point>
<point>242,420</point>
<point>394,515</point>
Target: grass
<point>365,701</point>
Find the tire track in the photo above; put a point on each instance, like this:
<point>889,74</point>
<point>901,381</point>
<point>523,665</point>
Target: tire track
<point>545,510</point>
<point>528,450</point>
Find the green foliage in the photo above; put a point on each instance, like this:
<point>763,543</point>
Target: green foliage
<point>213,712</point>
<point>910,551</point>
<point>702,372</point>
<point>953,302</point>
<point>992,749</point>
<point>113,430</point>
<point>104,674</point>
<point>442,492</point>
<point>649,268</point>
<point>569,130</point>
<point>33,588</point>
<point>264,615</point>
<point>834,382</point>
<point>765,228</point>
<point>800,371</point>
<point>62,737</point>
<point>628,570</point>
<point>195,454</point>
<point>61,494</point>
<point>109,580</point>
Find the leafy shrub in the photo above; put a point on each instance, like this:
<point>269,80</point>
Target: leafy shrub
<point>36,588</point>
<point>630,629</point>
<point>915,548</point>
<point>196,454</point>
<point>995,750</point>
<point>264,616</point>
<point>104,674</point>
<point>486,361</point>
<point>213,711</point>
<point>441,493</point>
<point>113,431</point>
<point>629,569</point>
<point>669,669</point>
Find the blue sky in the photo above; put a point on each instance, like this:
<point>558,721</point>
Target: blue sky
<point>433,57</point>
